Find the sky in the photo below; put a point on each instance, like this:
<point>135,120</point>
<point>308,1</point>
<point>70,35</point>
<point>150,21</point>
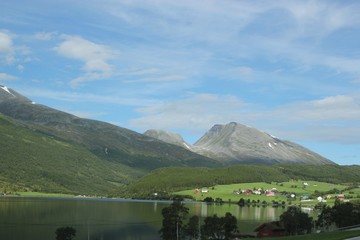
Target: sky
<point>289,68</point>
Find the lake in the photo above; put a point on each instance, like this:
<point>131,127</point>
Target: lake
<point>107,219</point>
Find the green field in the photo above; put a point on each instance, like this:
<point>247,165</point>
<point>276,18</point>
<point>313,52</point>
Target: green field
<point>226,192</point>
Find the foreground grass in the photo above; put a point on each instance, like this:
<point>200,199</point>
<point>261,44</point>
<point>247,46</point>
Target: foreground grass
<point>323,236</point>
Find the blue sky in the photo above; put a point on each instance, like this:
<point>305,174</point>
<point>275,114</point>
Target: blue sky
<point>290,68</point>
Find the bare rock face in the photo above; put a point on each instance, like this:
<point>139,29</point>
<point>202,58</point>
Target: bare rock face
<point>237,143</point>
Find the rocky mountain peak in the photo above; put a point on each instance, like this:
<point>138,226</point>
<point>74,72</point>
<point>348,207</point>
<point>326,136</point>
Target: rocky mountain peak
<point>234,142</point>
<point>7,94</point>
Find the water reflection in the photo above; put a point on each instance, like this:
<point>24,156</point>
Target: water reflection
<point>38,218</point>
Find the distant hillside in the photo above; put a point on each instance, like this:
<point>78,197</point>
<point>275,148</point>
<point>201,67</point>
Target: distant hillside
<point>174,179</point>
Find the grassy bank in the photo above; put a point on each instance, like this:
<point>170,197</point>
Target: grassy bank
<point>323,236</point>
<point>39,194</point>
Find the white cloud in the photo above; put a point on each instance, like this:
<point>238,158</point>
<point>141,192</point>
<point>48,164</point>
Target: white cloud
<point>198,112</point>
<point>318,18</point>
<point>333,109</point>
<point>45,36</point>
<point>20,67</point>
<point>331,119</point>
<point>356,80</point>
<point>5,42</point>
<point>88,77</point>
<point>120,98</point>
<point>94,56</point>
<point>7,77</point>
<point>242,73</point>
<point>168,78</point>
<point>6,48</point>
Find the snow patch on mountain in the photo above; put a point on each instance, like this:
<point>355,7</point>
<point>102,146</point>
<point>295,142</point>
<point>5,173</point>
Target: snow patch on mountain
<point>5,88</point>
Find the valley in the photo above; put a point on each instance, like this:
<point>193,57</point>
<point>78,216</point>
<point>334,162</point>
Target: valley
<point>47,150</point>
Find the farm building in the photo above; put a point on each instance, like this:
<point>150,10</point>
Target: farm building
<point>271,229</point>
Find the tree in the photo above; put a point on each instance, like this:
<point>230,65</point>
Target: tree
<point>219,228</point>
<point>192,228</point>
<point>241,202</point>
<point>325,218</point>
<point>212,228</point>
<point>295,221</point>
<point>172,224</point>
<point>346,214</point>
<point>65,233</point>
<point>230,225</point>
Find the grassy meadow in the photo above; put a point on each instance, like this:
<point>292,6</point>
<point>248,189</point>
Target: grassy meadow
<point>226,192</point>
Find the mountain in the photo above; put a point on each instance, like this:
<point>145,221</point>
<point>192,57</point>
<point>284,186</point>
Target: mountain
<point>237,143</point>
<point>48,150</point>
<point>121,153</point>
<point>32,160</point>
<point>169,137</point>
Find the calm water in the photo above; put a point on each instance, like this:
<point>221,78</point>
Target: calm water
<point>38,218</point>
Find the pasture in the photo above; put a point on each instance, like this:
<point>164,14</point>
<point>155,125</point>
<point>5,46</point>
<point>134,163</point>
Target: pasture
<point>231,192</point>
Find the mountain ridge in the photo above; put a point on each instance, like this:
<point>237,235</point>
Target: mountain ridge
<point>235,143</point>
<point>53,151</point>
<point>114,155</point>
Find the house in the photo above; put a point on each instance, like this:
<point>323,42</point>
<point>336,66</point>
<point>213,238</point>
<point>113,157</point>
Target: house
<point>204,190</point>
<point>257,192</point>
<point>305,196</point>
<point>269,193</point>
<point>271,229</point>
<point>247,191</point>
<point>341,196</point>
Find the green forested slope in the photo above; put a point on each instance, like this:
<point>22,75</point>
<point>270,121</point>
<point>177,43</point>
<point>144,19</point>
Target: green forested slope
<point>38,162</point>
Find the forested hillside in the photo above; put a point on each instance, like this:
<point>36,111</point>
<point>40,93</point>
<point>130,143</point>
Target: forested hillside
<point>173,179</point>
<point>34,161</point>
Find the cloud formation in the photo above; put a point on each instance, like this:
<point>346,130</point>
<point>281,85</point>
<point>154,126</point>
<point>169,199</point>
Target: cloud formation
<point>94,56</point>
<point>6,48</point>
<point>6,77</point>
<point>331,119</point>
<point>195,113</point>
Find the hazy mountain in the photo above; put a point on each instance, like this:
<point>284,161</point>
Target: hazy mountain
<point>237,143</point>
<point>169,137</point>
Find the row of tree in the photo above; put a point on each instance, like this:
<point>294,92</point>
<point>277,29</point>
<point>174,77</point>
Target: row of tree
<point>293,220</point>
<point>341,215</point>
<point>173,226</point>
